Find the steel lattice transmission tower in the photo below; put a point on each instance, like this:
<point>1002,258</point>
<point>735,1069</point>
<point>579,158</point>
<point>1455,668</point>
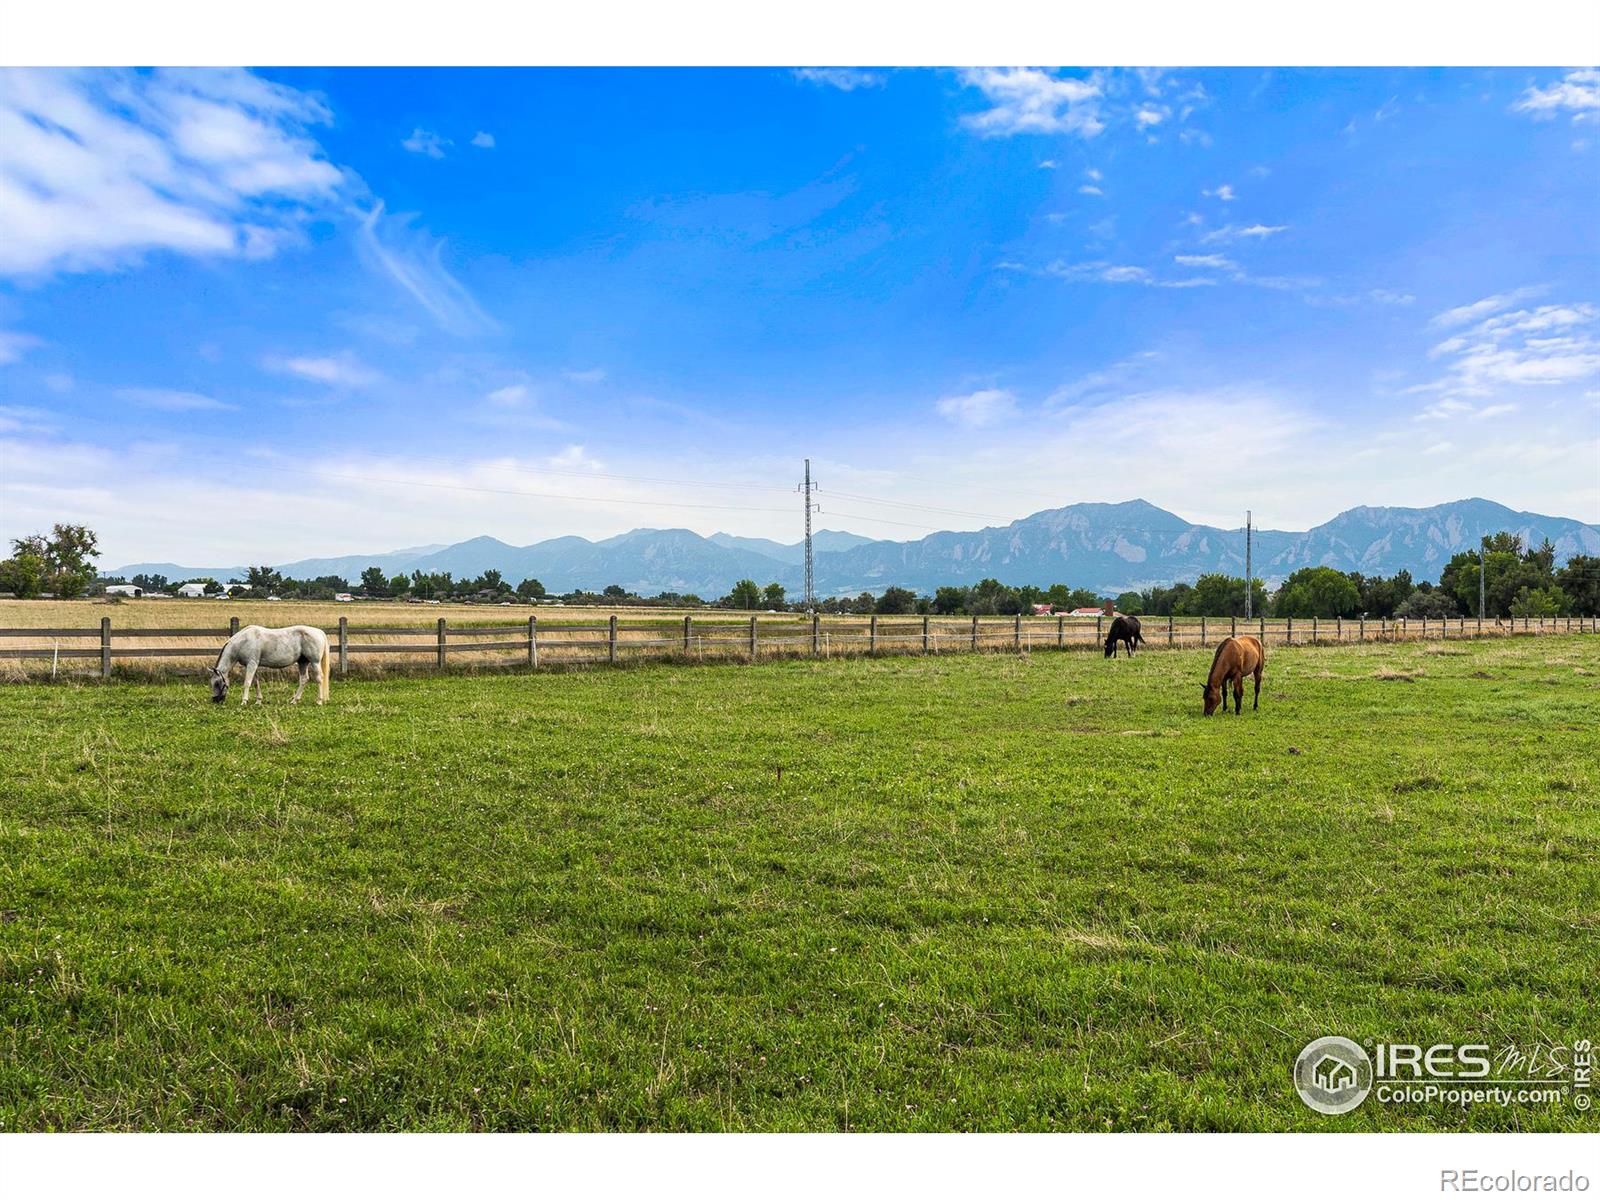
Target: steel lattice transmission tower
<point>805,490</point>
<point>1249,579</point>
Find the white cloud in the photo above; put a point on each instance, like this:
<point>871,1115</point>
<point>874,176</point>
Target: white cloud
<point>414,260</point>
<point>171,400</point>
<point>1089,189</point>
<point>1502,351</point>
<point>1233,233</point>
<point>483,141</point>
<point>979,408</point>
<point>1106,272</point>
<point>1468,313</point>
<point>14,344</point>
<point>1048,164</point>
<point>592,375</point>
<point>1028,100</point>
<point>1225,193</point>
<point>1578,92</point>
<point>1214,261</point>
<point>1148,117</point>
<point>846,79</point>
<point>511,396</point>
<point>422,141</point>
<point>99,168</point>
<point>574,458</point>
<point>1093,174</point>
<point>337,370</point>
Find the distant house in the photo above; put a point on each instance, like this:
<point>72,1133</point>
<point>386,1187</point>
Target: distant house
<point>343,598</point>
<point>124,589</point>
<point>1089,612</point>
<point>1043,610</point>
<point>192,591</point>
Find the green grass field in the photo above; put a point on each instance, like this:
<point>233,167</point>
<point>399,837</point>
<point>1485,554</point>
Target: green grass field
<point>978,892</point>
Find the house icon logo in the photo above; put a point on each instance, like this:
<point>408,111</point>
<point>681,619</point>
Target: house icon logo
<point>1333,1075</point>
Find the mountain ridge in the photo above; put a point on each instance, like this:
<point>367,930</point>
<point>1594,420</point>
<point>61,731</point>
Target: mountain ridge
<point>1108,547</point>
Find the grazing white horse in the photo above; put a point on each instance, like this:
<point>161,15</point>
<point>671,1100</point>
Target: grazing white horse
<point>253,647</point>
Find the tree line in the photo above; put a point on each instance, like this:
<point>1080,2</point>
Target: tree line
<point>1518,581</point>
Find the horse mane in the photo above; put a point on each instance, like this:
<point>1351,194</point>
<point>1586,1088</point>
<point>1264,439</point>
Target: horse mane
<point>1212,680</point>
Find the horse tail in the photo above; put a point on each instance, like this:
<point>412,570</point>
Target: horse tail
<point>322,673</point>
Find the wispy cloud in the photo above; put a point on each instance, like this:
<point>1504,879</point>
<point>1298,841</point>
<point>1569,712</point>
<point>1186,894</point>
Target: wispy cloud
<point>1235,233</point>
<point>1216,262</point>
<point>414,260</point>
<point>99,168</point>
<point>1577,92</point>
<point>846,79</point>
<point>983,407</point>
<point>592,375</point>
<point>1500,350</point>
<point>483,141</point>
<point>14,344</point>
<point>1028,100</point>
<point>423,141</point>
<point>336,370</point>
<point>1478,309</point>
<point>1225,193</point>
<point>512,396</point>
<point>171,400</point>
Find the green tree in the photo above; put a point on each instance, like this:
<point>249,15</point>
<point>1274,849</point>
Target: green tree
<point>1580,580</point>
<point>1316,592</point>
<point>1435,602</point>
<point>1218,595</point>
<point>896,601</point>
<point>746,594</point>
<point>262,580</point>
<point>22,575</point>
<point>1540,602</point>
<point>492,581</point>
<point>374,582</point>
<point>948,601</point>
<point>66,559</point>
<point>773,596</point>
<point>614,591</point>
<point>531,589</point>
<point>1131,603</point>
<point>399,585</point>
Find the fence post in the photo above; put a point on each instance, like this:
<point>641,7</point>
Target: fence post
<point>1099,634</point>
<point>686,634</point>
<point>1233,626</point>
<point>974,633</point>
<point>1383,628</point>
<point>1338,628</point>
<point>1480,624</point>
<point>1361,628</point>
<point>1017,632</point>
<point>872,634</point>
<point>1263,631</point>
<point>752,639</point>
<point>1061,632</point>
<point>533,641</point>
<point>1288,631</point>
<point>1313,630</point>
<point>1169,629</point>
<point>1404,625</point>
<point>344,645</point>
<point>1202,631</point>
<point>105,647</point>
<point>924,634</point>
<point>1424,626</point>
<point>611,639</point>
<point>816,634</point>
<point>233,626</point>
<point>441,643</point>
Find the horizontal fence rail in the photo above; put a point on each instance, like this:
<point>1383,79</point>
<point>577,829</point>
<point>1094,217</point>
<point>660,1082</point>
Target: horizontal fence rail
<point>742,639</point>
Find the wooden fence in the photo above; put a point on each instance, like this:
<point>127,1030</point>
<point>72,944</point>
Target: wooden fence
<point>533,645</point>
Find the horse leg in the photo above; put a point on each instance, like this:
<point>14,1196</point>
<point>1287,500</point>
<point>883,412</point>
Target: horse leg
<point>316,673</point>
<point>305,670</point>
<point>1238,694</point>
<point>249,678</point>
<point>1256,703</point>
<point>260,697</point>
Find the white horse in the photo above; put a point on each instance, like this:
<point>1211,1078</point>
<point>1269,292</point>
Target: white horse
<point>253,647</point>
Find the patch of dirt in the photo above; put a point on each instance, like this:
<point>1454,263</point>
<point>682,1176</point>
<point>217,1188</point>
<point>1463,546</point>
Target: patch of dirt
<point>1390,674</point>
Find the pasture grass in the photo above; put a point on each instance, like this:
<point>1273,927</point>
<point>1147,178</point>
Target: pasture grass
<point>976,892</point>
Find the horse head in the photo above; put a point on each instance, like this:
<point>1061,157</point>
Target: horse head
<point>1213,697</point>
<point>219,686</point>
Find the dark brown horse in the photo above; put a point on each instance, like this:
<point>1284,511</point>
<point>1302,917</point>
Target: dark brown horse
<point>1236,658</point>
<point>1126,631</point>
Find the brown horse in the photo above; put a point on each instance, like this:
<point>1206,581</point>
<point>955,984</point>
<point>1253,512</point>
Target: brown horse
<point>1236,658</point>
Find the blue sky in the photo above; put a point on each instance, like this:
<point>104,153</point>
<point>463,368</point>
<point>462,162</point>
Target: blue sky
<point>282,313</point>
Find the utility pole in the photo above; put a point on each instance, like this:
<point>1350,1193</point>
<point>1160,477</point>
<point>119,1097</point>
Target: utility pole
<point>805,489</point>
<point>1249,579</point>
<point>1481,556</point>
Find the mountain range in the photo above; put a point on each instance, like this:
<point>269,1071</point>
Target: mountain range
<point>1109,548</point>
